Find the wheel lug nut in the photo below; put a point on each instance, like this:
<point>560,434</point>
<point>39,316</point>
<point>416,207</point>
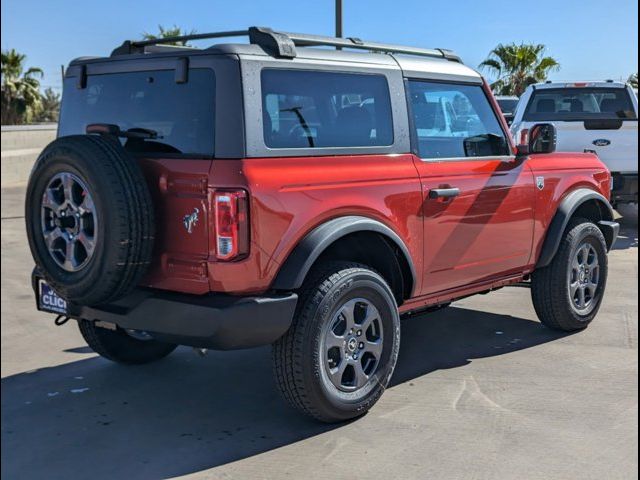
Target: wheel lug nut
<point>359,333</point>
<point>361,345</point>
<point>355,356</point>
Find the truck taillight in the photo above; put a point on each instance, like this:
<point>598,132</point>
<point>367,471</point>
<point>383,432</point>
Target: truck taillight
<point>231,224</point>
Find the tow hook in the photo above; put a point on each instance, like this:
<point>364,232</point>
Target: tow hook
<point>61,320</point>
<point>201,352</point>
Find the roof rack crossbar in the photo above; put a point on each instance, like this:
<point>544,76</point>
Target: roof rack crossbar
<point>282,44</point>
<point>186,38</point>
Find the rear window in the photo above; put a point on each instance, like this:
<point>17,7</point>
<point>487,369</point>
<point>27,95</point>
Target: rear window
<point>312,109</point>
<point>576,104</point>
<point>182,114</point>
<point>508,105</point>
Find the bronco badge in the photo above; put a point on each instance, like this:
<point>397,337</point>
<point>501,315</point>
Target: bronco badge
<point>191,220</point>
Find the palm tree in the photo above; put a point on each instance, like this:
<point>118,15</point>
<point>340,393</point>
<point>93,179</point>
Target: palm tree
<point>50,106</point>
<point>633,80</point>
<point>518,66</point>
<point>163,32</point>
<point>20,89</point>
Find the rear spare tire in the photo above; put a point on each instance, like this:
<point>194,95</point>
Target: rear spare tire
<point>89,219</point>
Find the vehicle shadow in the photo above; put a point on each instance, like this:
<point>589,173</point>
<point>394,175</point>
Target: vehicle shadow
<point>628,237</point>
<point>94,419</point>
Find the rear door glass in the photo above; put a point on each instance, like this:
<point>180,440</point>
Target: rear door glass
<point>182,114</point>
<point>454,121</point>
<point>313,109</point>
<point>579,104</point>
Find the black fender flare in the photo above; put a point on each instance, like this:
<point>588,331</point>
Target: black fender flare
<point>297,265</point>
<point>563,215</point>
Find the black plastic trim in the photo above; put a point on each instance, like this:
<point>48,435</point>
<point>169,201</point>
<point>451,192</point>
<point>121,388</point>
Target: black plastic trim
<point>610,230</point>
<point>563,215</point>
<point>215,321</point>
<point>295,269</point>
<point>182,70</point>
<point>625,188</point>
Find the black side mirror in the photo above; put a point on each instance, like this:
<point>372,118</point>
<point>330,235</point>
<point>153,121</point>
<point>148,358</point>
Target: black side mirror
<point>541,138</point>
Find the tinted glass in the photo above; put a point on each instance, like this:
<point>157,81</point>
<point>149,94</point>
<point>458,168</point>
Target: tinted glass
<point>453,121</point>
<point>311,109</point>
<point>508,105</point>
<point>572,104</point>
<point>182,114</point>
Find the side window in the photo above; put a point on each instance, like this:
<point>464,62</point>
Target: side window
<point>314,109</point>
<point>454,120</point>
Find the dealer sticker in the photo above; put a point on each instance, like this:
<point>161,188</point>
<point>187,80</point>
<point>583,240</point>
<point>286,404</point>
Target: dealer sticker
<point>49,300</point>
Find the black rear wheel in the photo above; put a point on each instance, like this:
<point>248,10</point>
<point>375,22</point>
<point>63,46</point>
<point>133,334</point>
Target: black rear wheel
<point>121,346</point>
<point>338,356</point>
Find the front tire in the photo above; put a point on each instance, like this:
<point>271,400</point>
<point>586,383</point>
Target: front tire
<point>337,358</point>
<point>133,348</point>
<point>567,293</point>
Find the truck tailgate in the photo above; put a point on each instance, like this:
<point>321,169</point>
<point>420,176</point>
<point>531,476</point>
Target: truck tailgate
<point>617,148</point>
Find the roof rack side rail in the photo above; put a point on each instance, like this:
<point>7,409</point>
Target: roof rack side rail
<point>306,40</point>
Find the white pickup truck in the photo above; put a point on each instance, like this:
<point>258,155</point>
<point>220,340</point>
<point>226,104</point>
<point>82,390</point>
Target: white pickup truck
<point>594,116</point>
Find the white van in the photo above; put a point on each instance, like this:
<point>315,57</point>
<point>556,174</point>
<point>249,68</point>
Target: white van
<point>594,116</point>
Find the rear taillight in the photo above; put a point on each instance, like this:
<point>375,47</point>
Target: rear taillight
<point>231,224</point>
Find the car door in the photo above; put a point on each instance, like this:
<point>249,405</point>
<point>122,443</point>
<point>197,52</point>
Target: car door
<point>477,197</point>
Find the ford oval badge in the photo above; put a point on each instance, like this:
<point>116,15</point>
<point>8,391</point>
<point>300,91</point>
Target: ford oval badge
<point>601,142</point>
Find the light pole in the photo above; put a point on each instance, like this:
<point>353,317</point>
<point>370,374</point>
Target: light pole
<point>339,18</point>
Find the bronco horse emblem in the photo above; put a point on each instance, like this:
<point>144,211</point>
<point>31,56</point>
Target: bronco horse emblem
<point>191,220</point>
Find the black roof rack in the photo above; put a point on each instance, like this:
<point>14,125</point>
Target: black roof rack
<point>283,44</point>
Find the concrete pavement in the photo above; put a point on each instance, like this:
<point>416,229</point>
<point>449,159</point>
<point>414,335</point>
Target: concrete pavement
<point>481,391</point>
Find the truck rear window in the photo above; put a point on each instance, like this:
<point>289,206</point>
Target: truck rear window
<point>182,114</point>
<point>310,109</point>
<point>579,104</point>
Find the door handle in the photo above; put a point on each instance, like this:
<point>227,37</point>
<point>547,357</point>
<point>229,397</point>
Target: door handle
<point>444,192</point>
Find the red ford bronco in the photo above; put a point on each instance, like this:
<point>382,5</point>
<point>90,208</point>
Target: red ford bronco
<point>272,192</point>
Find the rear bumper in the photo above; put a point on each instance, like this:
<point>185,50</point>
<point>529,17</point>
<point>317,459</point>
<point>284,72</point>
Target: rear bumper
<point>216,321</point>
<point>624,188</point>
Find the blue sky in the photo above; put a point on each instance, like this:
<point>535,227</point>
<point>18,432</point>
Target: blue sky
<point>590,39</point>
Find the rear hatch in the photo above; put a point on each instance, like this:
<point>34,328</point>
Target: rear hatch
<point>601,119</point>
<point>178,121</point>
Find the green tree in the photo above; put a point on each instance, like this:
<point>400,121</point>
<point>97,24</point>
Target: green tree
<point>50,106</point>
<point>163,32</point>
<point>633,80</point>
<point>20,89</point>
<point>518,66</point>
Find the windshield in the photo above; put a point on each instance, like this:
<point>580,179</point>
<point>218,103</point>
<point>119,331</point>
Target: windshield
<point>180,114</point>
<point>578,104</point>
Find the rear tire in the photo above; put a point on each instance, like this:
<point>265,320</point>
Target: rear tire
<point>338,356</point>
<point>567,293</point>
<point>120,347</point>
